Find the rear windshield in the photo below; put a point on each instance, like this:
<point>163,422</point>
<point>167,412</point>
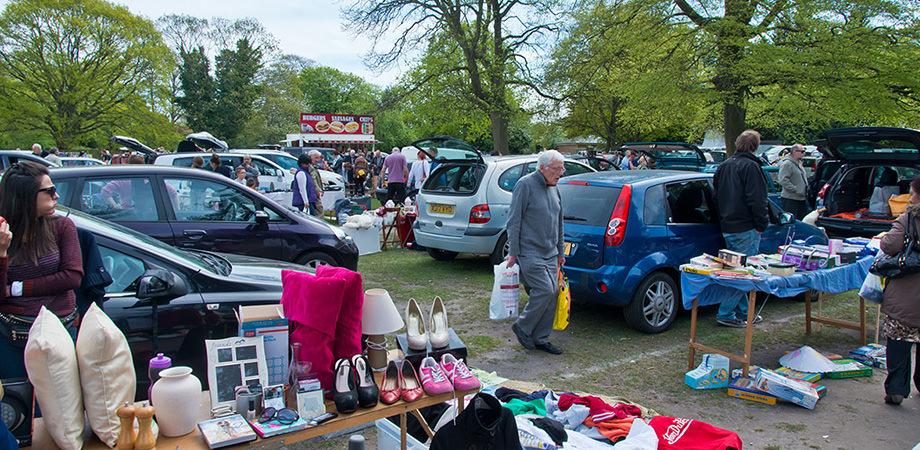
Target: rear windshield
<point>587,205</point>
<point>870,146</point>
<point>454,179</point>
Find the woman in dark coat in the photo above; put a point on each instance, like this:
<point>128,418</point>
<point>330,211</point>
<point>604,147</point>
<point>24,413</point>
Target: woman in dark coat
<point>901,306</point>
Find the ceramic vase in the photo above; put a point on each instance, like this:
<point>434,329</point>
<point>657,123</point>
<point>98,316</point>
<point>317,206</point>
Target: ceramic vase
<point>177,395</point>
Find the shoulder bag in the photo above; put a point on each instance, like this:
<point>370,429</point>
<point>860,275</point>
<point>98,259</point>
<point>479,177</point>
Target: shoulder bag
<point>16,328</point>
<point>906,262</point>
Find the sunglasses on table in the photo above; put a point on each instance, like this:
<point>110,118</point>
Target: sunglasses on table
<point>284,416</point>
<point>49,190</point>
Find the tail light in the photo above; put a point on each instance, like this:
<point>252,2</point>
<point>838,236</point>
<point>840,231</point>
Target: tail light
<point>823,191</point>
<point>480,214</point>
<point>616,228</point>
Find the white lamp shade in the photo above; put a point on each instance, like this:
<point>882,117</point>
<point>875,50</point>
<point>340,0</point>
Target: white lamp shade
<point>380,315</point>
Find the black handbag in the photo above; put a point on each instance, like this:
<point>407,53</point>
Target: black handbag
<point>906,262</point>
<point>16,328</point>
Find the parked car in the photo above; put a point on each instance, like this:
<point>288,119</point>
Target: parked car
<point>670,155</point>
<point>136,146</point>
<point>627,233</point>
<point>331,180</point>
<point>201,142</point>
<point>80,161</point>
<point>201,210</point>
<point>862,157</point>
<point>463,207</point>
<point>271,178</point>
<point>10,157</point>
<point>599,163</point>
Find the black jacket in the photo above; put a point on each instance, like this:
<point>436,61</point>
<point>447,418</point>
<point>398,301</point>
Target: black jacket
<point>483,424</point>
<point>95,277</point>
<point>741,193</point>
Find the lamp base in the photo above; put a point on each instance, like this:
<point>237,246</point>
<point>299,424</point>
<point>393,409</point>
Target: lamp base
<point>377,352</point>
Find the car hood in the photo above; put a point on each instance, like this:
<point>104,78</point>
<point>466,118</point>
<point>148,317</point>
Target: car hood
<point>871,144</point>
<point>258,269</point>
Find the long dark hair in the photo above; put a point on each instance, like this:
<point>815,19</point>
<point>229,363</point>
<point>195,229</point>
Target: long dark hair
<point>32,235</point>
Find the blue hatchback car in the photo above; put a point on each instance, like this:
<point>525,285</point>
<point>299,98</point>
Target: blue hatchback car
<point>628,232</point>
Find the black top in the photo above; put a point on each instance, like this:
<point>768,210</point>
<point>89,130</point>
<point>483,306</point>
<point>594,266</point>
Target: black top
<point>222,169</point>
<point>483,424</point>
<point>741,193</point>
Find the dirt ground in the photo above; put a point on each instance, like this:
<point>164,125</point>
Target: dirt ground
<point>604,356</point>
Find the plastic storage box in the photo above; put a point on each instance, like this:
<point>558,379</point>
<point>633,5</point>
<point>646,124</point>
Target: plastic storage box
<point>388,437</point>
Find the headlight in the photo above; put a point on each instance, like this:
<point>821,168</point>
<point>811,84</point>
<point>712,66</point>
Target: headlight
<point>340,233</point>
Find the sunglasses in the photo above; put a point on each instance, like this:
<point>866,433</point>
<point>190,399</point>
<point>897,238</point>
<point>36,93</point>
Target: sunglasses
<point>51,191</point>
<point>284,416</point>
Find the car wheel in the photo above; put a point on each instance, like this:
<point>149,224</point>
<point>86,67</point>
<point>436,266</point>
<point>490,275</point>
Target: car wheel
<point>313,260</point>
<point>441,255</point>
<point>502,247</point>
<point>654,305</point>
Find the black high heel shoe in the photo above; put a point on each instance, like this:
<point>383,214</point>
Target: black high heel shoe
<point>368,393</point>
<point>344,392</point>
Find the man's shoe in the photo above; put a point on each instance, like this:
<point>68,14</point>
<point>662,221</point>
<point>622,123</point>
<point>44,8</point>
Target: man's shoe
<point>734,322</point>
<point>757,319</point>
<point>548,347</point>
<point>894,399</point>
<point>525,341</point>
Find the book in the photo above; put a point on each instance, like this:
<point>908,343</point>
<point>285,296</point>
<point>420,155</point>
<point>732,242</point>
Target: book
<point>226,431</point>
<point>274,428</point>
<point>796,375</point>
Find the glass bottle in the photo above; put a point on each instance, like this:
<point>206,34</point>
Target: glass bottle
<point>299,369</point>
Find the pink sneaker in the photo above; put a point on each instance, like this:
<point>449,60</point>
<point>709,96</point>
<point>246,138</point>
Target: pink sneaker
<point>433,378</point>
<point>459,374</point>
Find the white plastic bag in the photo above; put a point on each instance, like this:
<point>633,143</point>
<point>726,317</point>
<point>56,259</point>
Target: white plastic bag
<point>506,292</point>
<point>871,289</point>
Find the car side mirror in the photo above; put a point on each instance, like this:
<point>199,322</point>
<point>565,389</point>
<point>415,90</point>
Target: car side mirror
<point>160,285</point>
<point>261,218</point>
<point>786,218</point>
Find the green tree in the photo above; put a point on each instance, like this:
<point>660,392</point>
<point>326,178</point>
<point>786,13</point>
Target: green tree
<point>329,90</point>
<point>277,109</point>
<point>69,66</point>
<point>236,89</point>
<point>198,100</point>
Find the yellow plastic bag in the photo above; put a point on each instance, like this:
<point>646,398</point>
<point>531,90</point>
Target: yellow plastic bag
<point>898,204</point>
<point>563,304</point>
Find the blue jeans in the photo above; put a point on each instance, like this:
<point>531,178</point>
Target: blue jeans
<point>747,242</point>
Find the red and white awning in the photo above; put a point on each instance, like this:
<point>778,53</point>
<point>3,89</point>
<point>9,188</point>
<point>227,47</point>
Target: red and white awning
<point>329,138</point>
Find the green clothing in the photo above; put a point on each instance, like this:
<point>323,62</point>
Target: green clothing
<point>536,406</point>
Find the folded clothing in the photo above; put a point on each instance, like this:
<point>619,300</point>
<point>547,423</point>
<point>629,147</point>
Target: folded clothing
<point>685,434</point>
<point>504,394</point>
<point>518,407</point>
<point>612,428</point>
<point>598,406</point>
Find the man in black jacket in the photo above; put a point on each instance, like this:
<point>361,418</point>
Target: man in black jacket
<point>741,193</point>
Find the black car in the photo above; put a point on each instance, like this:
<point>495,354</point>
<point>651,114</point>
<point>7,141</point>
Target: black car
<point>670,155</point>
<point>868,160</point>
<point>197,209</point>
<point>10,157</point>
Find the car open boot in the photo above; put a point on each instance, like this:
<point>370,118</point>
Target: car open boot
<point>348,331</point>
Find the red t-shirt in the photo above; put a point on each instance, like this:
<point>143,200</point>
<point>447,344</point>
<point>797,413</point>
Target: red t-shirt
<point>685,434</point>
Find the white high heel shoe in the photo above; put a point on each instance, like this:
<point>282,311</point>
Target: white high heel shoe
<point>415,327</point>
<point>437,324</point>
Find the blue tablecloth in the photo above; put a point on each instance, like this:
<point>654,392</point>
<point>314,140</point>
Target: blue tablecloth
<point>711,290</point>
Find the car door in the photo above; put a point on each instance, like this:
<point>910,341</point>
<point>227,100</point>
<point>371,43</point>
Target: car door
<point>219,216</point>
<point>270,178</point>
<point>130,201</point>
<point>178,321</point>
<point>692,220</point>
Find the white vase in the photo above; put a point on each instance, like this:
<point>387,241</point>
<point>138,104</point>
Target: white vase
<point>177,399</point>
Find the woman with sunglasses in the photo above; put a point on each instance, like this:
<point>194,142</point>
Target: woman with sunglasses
<point>40,260</point>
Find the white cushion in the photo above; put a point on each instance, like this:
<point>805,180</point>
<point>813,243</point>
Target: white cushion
<point>51,362</point>
<point>106,372</point>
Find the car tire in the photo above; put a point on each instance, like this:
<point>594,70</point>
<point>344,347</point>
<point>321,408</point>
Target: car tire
<point>441,255</point>
<point>501,250</point>
<point>654,306</point>
<point>313,259</point>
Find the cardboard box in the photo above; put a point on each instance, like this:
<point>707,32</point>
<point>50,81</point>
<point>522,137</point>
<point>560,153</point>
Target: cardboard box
<point>712,373</point>
<point>744,389</point>
<point>872,355</point>
<point>796,375</point>
<point>861,371</point>
<point>269,322</point>
<point>786,389</point>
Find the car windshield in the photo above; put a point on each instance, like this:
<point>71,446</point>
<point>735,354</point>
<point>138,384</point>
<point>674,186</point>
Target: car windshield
<point>123,234</point>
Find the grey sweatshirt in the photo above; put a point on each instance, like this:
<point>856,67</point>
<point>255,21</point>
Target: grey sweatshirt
<point>792,179</point>
<point>535,224</point>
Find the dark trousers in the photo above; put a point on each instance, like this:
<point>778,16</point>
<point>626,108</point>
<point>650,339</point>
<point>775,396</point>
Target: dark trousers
<point>897,356</point>
<point>396,192</point>
<point>797,208</point>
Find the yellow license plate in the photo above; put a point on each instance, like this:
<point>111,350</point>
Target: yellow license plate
<point>567,248</point>
<point>438,208</point>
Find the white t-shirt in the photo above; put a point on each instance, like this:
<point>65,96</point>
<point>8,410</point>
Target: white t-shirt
<point>419,173</point>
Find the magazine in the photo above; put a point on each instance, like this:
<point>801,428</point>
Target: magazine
<point>274,428</point>
<point>226,431</point>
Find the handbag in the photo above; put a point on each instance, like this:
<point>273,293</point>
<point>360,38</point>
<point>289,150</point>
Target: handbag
<point>906,262</point>
<point>15,328</point>
<point>563,304</point>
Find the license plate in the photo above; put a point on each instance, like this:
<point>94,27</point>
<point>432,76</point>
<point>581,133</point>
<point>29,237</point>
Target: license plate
<point>439,208</point>
<point>568,248</point>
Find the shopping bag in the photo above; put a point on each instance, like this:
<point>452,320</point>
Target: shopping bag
<point>872,289</point>
<point>898,204</point>
<point>563,304</point>
<point>506,292</point>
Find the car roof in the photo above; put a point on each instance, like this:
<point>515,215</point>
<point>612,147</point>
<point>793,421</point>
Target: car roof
<point>635,177</point>
<point>131,169</point>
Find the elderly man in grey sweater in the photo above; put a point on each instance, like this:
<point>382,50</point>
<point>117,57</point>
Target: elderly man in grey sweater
<point>794,182</point>
<point>535,238</point>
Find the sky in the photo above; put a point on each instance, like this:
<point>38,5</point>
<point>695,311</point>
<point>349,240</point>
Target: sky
<point>309,28</point>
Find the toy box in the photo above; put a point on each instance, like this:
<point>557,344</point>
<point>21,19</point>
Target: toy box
<point>712,373</point>
<point>269,322</point>
<point>786,389</point>
<point>744,389</point>
<point>796,375</point>
<point>861,371</point>
<point>872,355</point>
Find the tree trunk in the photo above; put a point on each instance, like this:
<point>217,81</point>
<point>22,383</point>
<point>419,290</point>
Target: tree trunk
<point>734,114</point>
<point>499,127</point>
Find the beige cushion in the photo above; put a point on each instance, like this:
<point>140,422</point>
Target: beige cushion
<point>106,372</point>
<point>51,362</point>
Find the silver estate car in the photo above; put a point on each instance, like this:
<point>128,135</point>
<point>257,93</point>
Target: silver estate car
<point>464,205</point>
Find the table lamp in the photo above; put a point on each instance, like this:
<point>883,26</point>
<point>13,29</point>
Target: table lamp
<point>379,318</point>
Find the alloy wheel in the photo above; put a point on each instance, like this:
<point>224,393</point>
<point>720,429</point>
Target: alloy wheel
<point>658,304</point>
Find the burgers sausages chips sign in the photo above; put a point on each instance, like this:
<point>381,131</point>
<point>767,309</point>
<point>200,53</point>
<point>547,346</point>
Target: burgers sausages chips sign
<point>336,124</point>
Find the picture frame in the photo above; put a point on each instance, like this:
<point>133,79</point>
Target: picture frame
<point>233,362</point>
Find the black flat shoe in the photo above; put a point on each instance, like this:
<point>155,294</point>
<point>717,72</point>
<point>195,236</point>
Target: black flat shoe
<point>548,347</point>
<point>894,399</point>
<point>368,393</point>
<point>344,391</point>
